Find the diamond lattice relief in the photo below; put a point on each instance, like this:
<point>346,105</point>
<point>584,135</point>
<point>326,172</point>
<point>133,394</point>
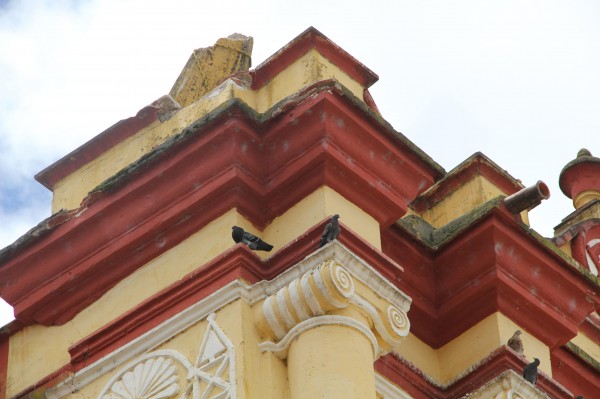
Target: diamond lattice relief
<point>161,374</point>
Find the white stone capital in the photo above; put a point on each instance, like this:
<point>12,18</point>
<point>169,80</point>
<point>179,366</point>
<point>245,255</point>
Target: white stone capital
<point>328,294</point>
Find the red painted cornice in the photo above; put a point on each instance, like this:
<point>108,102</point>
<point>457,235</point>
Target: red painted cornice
<point>575,374</point>
<point>260,167</point>
<point>97,146</point>
<point>493,264</point>
<point>308,40</point>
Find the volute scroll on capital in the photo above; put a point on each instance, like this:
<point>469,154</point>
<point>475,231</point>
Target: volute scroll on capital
<point>326,295</point>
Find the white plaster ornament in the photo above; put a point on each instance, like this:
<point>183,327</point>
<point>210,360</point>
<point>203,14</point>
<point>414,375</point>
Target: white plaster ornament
<point>156,376</point>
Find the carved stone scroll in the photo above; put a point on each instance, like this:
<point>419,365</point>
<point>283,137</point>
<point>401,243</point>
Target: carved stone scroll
<point>329,290</point>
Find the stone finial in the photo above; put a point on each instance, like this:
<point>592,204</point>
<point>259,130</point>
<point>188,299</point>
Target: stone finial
<point>580,178</point>
<point>584,152</point>
<point>208,67</point>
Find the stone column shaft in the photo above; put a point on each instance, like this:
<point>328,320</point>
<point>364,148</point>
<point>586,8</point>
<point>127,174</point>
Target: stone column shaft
<point>331,362</point>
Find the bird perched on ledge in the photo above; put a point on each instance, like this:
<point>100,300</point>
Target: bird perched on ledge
<point>530,372</point>
<point>331,232</point>
<point>251,241</point>
<point>515,342</point>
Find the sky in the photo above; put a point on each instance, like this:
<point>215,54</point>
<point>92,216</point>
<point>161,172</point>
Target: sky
<point>516,80</point>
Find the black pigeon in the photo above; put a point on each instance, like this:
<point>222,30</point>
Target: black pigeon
<point>530,372</point>
<point>331,232</point>
<point>253,242</point>
<point>579,397</point>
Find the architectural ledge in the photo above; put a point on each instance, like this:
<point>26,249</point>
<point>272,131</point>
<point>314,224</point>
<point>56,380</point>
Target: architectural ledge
<point>583,355</point>
<point>333,286</point>
<point>508,385</point>
<point>478,381</point>
<point>516,271</point>
<point>476,165</point>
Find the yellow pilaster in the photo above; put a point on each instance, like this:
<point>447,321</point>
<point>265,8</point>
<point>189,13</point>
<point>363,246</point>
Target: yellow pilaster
<point>331,321</point>
<point>329,362</point>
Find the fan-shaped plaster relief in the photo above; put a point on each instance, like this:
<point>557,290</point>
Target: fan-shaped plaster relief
<point>164,374</point>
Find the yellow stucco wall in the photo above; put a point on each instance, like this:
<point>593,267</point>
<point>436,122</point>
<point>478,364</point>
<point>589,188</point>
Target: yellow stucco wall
<point>476,343</point>
<point>467,197</point>
<point>449,362</point>
<point>265,374</point>
<point>424,357</point>
<point>321,204</point>
<point>310,68</point>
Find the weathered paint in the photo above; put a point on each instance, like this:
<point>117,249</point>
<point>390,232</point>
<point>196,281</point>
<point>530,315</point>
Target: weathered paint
<point>475,344</point>
<point>238,322</point>
<point>34,353</point>
<point>476,165</point>
<point>468,196</point>
<point>309,39</point>
<point>475,271</point>
<point>51,343</point>
<point>269,379</point>
<point>207,67</point>
<point>419,386</point>
<point>422,356</point>
<point>533,347</point>
<point>188,342</point>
